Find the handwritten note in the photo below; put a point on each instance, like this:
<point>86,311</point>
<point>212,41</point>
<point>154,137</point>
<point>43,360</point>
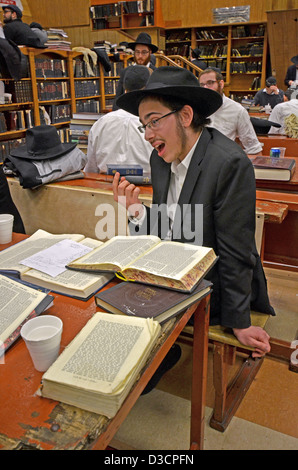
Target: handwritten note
<point>53,260</point>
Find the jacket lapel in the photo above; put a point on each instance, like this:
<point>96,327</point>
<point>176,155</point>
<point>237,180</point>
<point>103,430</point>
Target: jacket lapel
<point>191,181</point>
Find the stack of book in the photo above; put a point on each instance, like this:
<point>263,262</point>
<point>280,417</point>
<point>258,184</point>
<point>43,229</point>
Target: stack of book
<point>80,126</point>
<point>57,39</point>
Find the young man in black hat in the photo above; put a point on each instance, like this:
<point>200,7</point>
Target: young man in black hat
<point>292,73</point>
<point>270,95</point>
<point>143,48</point>
<point>194,166</point>
<point>17,31</point>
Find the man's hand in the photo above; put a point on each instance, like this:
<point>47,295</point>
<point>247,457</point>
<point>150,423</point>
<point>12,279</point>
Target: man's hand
<point>255,337</point>
<point>127,194</point>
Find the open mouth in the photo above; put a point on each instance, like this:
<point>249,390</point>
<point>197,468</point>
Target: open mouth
<point>160,149</point>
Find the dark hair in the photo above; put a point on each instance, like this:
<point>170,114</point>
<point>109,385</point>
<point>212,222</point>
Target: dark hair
<point>198,121</point>
<point>288,93</point>
<point>218,74</point>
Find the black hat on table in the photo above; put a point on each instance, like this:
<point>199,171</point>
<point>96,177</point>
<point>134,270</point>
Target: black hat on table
<point>174,82</point>
<point>42,143</point>
<point>143,38</point>
<point>14,8</point>
<point>262,126</point>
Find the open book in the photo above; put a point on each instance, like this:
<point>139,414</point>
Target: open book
<point>18,303</point>
<point>149,260</point>
<point>98,368</point>
<point>74,284</point>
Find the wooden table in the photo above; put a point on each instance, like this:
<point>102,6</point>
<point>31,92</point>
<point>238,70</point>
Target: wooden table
<point>30,422</point>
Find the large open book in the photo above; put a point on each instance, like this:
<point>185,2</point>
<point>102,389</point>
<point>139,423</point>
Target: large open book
<point>97,369</point>
<point>18,303</point>
<point>75,284</point>
<point>149,260</point>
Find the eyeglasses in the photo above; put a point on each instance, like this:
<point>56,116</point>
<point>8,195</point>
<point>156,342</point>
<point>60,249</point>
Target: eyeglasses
<point>154,123</point>
<point>142,52</point>
<point>209,83</point>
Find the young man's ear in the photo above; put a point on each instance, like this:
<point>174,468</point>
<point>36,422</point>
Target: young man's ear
<point>186,115</point>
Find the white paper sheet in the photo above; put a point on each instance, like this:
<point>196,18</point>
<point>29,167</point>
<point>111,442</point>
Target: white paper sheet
<point>53,260</point>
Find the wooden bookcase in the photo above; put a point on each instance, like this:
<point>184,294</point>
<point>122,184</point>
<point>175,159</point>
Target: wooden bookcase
<point>239,50</point>
<point>125,15</point>
<point>51,72</point>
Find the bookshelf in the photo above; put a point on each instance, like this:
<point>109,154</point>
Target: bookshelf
<point>239,50</point>
<point>129,14</point>
<point>60,84</point>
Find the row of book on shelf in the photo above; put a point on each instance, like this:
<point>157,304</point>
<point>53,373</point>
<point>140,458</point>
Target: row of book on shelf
<point>121,7</point>
<point>246,66</point>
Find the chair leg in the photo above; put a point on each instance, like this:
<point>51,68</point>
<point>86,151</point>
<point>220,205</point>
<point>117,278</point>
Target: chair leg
<point>229,397</point>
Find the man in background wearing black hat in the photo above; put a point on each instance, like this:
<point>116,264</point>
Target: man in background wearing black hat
<point>196,60</point>
<point>270,95</point>
<point>195,166</point>
<point>292,73</point>
<point>115,137</point>
<point>143,48</point>
<point>17,31</point>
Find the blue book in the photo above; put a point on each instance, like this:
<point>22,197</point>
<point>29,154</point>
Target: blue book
<point>125,170</point>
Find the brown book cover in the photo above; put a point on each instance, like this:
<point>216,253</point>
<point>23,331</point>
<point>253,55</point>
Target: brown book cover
<point>272,168</point>
<point>148,301</point>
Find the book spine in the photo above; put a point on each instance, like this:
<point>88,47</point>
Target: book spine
<point>125,171</point>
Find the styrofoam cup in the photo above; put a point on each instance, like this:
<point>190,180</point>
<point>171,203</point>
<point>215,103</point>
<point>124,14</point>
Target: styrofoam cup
<point>42,336</point>
<point>6,224</point>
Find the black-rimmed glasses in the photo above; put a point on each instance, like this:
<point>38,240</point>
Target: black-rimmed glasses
<point>154,123</point>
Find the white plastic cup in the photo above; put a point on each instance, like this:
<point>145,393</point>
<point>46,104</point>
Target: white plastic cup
<point>42,336</point>
<point>6,224</point>
<point>282,151</point>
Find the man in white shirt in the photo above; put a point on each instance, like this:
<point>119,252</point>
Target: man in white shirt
<point>283,110</point>
<point>115,137</point>
<point>231,118</point>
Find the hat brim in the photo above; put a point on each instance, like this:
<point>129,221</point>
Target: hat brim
<point>203,100</point>
<point>262,126</point>
<point>132,46</point>
<point>22,152</point>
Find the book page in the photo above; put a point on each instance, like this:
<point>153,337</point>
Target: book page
<point>119,251</point>
<point>17,301</point>
<point>40,240</point>
<point>170,259</point>
<point>71,279</point>
<point>104,353</point>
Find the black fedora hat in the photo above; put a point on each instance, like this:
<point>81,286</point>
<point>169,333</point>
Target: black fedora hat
<point>262,126</point>
<point>295,59</point>
<point>174,82</point>
<point>196,52</point>
<point>42,143</point>
<point>14,8</point>
<point>143,38</point>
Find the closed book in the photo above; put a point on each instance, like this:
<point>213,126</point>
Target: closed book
<point>272,168</point>
<point>125,169</point>
<point>148,301</point>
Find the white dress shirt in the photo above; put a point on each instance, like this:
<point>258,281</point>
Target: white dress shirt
<point>233,120</point>
<point>115,139</point>
<point>280,112</point>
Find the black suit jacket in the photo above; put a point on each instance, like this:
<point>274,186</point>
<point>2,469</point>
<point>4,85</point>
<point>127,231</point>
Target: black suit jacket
<point>221,178</point>
<point>291,74</point>
<point>120,86</point>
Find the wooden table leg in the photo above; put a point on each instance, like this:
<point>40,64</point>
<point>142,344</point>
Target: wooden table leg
<point>199,374</point>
